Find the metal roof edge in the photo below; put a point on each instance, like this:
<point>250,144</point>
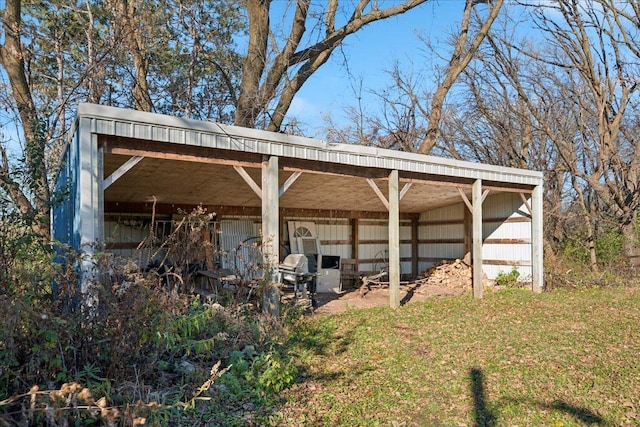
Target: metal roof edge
<point>240,133</point>
<point>433,160</point>
<point>107,112</point>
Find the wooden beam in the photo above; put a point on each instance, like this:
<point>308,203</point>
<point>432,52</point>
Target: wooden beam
<point>441,241</point>
<point>379,193</point>
<point>289,182</point>
<point>525,202</point>
<point>339,169</point>
<point>172,208</point>
<point>181,152</point>
<point>270,211</point>
<point>467,230</point>
<point>465,199</point>
<point>507,241</point>
<point>537,240</point>
<point>441,222</point>
<point>394,240</point>
<point>405,189</point>
<point>509,262</point>
<point>510,219</point>
<point>383,242</point>
<point>355,241</point>
<point>477,239</point>
<point>377,261</point>
<point>118,173</point>
<point>250,182</point>
<point>415,238</point>
<point>436,260</point>
<point>270,235</point>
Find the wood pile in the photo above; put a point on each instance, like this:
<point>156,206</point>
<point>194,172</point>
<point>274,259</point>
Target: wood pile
<point>456,274</point>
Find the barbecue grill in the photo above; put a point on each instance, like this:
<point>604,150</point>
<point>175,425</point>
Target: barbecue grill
<point>298,272</point>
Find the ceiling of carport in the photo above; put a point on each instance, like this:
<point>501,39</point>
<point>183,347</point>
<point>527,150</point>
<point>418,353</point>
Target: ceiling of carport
<point>194,183</point>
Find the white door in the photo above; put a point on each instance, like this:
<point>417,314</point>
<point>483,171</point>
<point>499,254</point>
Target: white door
<point>303,237</point>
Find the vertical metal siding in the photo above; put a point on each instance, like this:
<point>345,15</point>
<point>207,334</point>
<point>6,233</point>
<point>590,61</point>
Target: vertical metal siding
<point>63,213</point>
<point>447,231</point>
<point>239,241</point>
<point>334,232</point>
<point>370,232</point>
<point>507,205</point>
<point>121,233</point>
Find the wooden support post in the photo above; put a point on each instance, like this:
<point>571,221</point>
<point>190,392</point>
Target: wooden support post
<point>282,228</point>
<point>121,171</point>
<point>466,225</point>
<point>355,241</point>
<point>394,240</point>
<point>477,238</point>
<point>270,235</point>
<point>414,245</point>
<point>537,241</point>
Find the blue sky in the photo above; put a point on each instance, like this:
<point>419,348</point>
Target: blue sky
<point>370,52</point>
<point>375,49</point>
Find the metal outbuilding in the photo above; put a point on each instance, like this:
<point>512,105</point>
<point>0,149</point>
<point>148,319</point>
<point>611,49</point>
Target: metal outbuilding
<point>121,162</point>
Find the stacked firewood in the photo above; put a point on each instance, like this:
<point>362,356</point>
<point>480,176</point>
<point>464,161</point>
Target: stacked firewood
<point>456,274</point>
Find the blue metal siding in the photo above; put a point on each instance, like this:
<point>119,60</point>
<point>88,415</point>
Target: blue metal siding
<point>64,212</point>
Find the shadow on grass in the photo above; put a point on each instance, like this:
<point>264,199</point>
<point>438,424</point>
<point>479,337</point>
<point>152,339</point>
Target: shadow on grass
<point>321,340</point>
<point>407,297</point>
<point>410,292</point>
<point>483,416</point>
<point>578,412</point>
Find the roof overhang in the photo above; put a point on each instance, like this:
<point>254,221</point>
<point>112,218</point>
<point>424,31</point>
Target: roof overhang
<point>180,162</point>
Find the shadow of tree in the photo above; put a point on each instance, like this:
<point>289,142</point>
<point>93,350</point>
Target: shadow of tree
<point>578,412</point>
<point>483,415</point>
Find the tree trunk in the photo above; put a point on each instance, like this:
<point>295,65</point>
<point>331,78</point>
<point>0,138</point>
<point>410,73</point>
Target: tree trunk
<point>630,242</point>
<point>275,82</point>
<point>12,59</point>
<point>248,103</point>
<point>459,61</point>
<point>134,40</point>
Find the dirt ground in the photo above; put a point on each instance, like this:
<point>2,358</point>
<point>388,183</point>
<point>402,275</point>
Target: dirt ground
<point>378,296</point>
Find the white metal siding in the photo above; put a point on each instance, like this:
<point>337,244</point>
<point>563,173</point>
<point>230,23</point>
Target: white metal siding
<point>376,246</point>
<point>239,242</point>
<point>447,224</point>
<point>335,232</point>
<point>511,206</point>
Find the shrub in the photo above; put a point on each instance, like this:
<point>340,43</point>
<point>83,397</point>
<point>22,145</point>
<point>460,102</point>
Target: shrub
<point>508,280</point>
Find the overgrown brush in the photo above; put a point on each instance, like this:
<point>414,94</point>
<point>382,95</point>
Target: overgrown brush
<point>563,271</point>
<point>142,351</point>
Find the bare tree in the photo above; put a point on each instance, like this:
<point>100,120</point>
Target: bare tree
<point>399,124</point>
<point>276,68</point>
<point>117,52</point>
<point>411,110</point>
<point>581,95</point>
<point>463,52</point>
<point>589,39</point>
<point>12,57</point>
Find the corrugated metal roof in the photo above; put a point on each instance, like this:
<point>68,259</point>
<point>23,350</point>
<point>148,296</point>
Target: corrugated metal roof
<point>120,122</point>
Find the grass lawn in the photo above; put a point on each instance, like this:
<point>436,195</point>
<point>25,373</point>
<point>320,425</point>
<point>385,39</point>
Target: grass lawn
<point>562,358</point>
